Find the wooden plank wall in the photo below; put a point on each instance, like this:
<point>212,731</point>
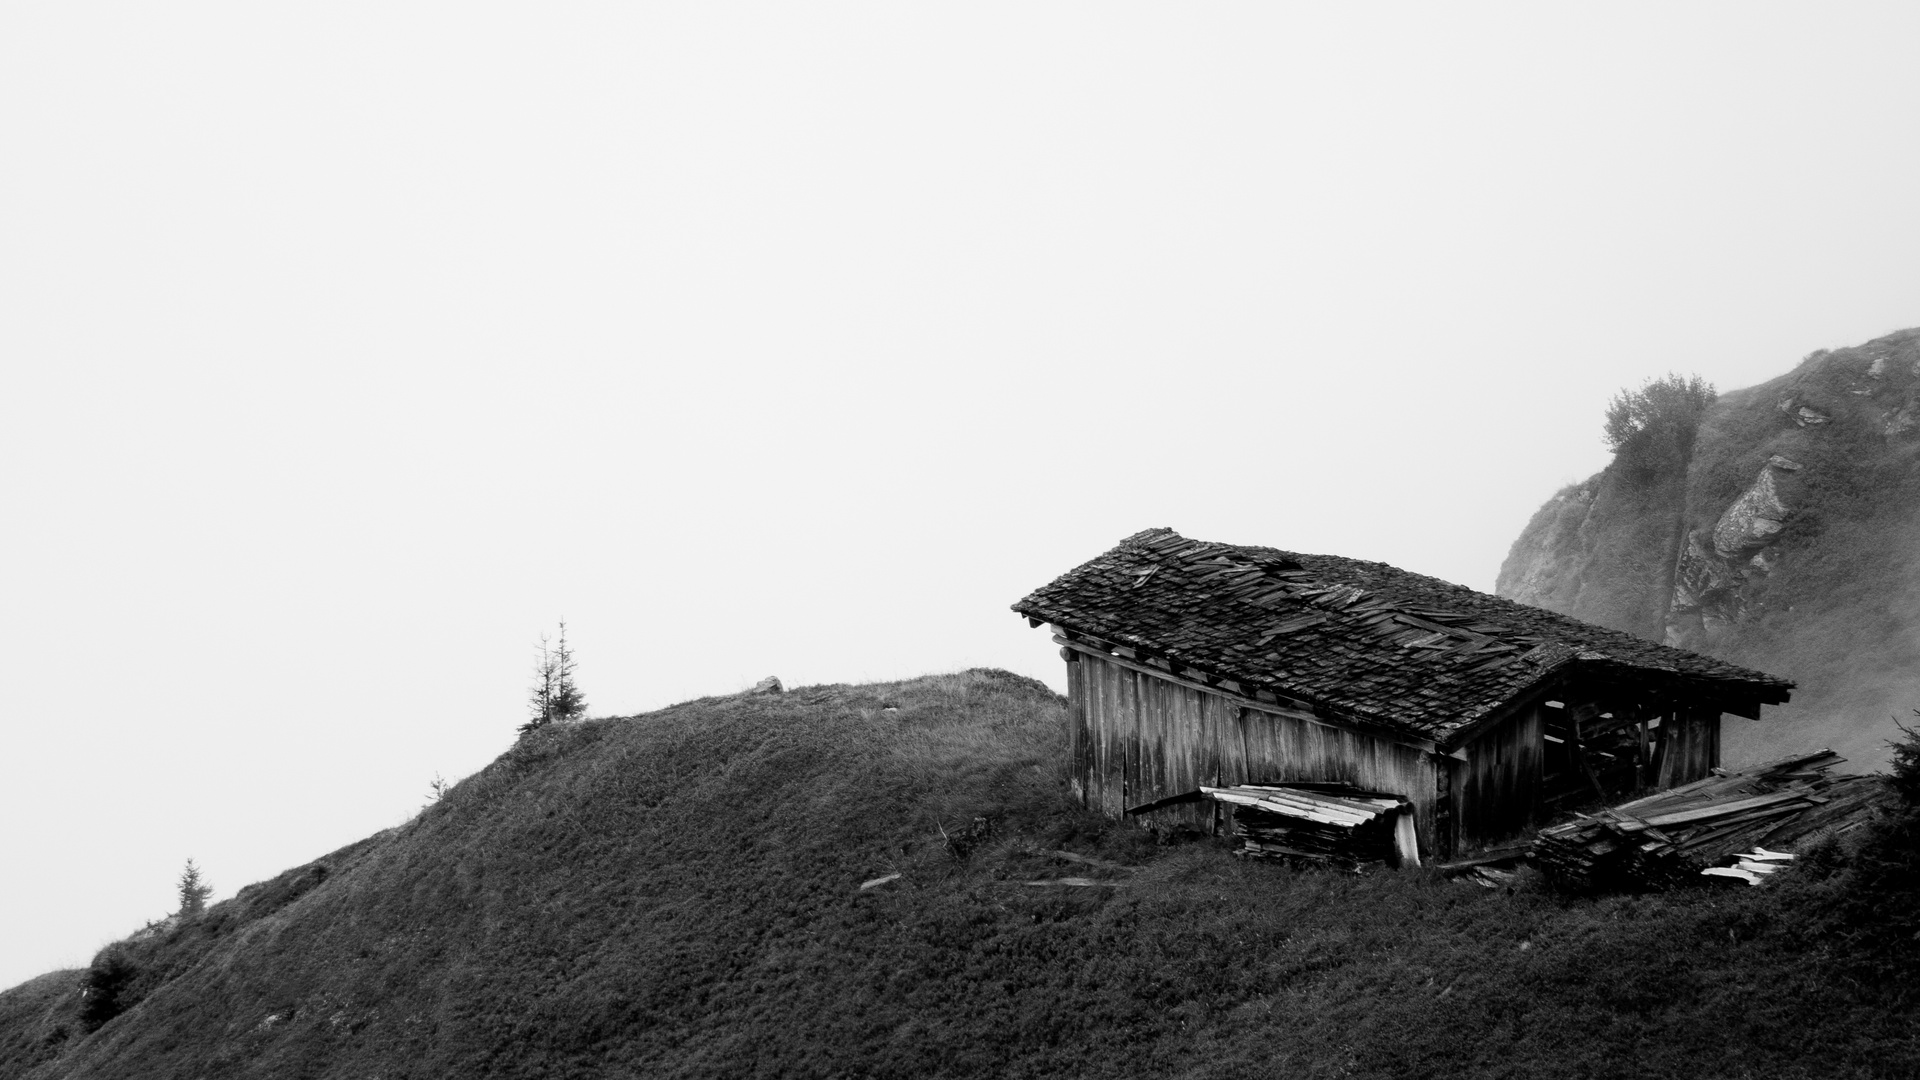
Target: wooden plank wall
<point>1146,738</point>
<point>1079,754</point>
<point>1500,785</point>
<point>1281,748</point>
<point>1689,746</point>
<point>1134,738</point>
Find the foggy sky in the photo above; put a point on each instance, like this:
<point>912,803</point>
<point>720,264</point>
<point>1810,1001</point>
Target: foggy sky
<point>349,347</point>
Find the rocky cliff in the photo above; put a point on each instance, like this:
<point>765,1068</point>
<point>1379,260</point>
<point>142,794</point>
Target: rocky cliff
<point>1789,541</point>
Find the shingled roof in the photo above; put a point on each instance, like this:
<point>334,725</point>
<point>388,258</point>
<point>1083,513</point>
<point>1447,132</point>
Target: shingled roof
<point>1363,641</point>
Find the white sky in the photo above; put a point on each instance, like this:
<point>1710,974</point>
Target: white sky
<point>349,346</point>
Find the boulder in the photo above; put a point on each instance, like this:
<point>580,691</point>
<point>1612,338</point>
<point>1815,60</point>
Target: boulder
<point>1754,518</point>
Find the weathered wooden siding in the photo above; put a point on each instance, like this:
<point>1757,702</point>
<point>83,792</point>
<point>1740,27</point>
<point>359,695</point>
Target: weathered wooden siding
<point>1144,739</point>
<point>1147,738</point>
<point>1136,737</point>
<point>1079,752</point>
<point>1689,746</point>
<point>1499,785</point>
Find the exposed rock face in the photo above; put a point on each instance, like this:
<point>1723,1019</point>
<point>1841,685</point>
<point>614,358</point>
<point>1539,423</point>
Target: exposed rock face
<point>1791,544</point>
<point>1756,517</point>
<point>1534,579</point>
<point>1902,422</point>
<point>1803,415</point>
<point>1709,577</point>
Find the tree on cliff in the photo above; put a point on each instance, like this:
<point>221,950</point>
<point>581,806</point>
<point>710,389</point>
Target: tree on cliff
<point>555,697</point>
<point>1651,429</point>
<point>194,891</point>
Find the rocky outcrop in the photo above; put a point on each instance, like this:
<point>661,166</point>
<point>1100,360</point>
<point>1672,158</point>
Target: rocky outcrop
<point>1791,544</point>
<point>1903,422</point>
<point>1712,571</point>
<point>1555,527</point>
<point>1756,517</point>
<point>1803,415</point>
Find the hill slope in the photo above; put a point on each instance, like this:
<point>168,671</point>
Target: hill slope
<point>1790,543</point>
<point>679,894</point>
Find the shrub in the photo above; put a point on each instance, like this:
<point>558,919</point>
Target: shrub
<point>1651,429</point>
<point>1904,757</point>
<point>103,989</point>
<point>1872,909</point>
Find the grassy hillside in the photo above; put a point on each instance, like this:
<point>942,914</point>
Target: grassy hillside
<point>36,1019</point>
<point>1613,538</point>
<point>1832,600</point>
<point>679,895</point>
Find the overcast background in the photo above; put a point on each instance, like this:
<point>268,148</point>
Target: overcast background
<point>347,347</point>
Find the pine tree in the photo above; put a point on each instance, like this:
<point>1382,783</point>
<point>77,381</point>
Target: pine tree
<point>568,702</point>
<point>544,677</point>
<point>194,891</point>
<point>555,696</point>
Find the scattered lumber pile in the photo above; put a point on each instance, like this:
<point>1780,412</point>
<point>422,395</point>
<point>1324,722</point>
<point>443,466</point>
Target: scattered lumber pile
<point>1492,869</point>
<point>1656,841</point>
<point>1753,866</point>
<point>1328,823</point>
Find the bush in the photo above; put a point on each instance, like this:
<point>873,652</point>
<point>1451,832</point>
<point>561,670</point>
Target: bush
<point>1904,757</point>
<point>1870,905</point>
<point>1651,429</point>
<point>103,989</point>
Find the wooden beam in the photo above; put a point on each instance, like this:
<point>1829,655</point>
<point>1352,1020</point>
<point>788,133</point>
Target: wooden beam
<point>1528,698</point>
<point>1172,800</point>
<point>1681,817</point>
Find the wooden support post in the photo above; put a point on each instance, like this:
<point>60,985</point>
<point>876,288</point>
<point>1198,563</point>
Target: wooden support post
<point>1575,718</point>
<point>1640,773</point>
<point>1667,752</point>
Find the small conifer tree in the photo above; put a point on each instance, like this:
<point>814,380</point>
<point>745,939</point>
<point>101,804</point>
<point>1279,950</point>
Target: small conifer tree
<point>555,695</point>
<point>194,891</point>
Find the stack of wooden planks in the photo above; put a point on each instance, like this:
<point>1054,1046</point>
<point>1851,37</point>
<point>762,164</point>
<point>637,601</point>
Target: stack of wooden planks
<point>1328,823</point>
<point>1752,867</point>
<point>1661,839</point>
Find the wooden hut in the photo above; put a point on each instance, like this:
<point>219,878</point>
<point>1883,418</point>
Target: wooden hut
<point>1194,664</point>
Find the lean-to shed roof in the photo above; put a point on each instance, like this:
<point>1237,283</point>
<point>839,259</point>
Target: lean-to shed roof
<point>1362,641</point>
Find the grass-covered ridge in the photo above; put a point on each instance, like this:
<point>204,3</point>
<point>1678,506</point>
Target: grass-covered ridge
<point>678,894</point>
